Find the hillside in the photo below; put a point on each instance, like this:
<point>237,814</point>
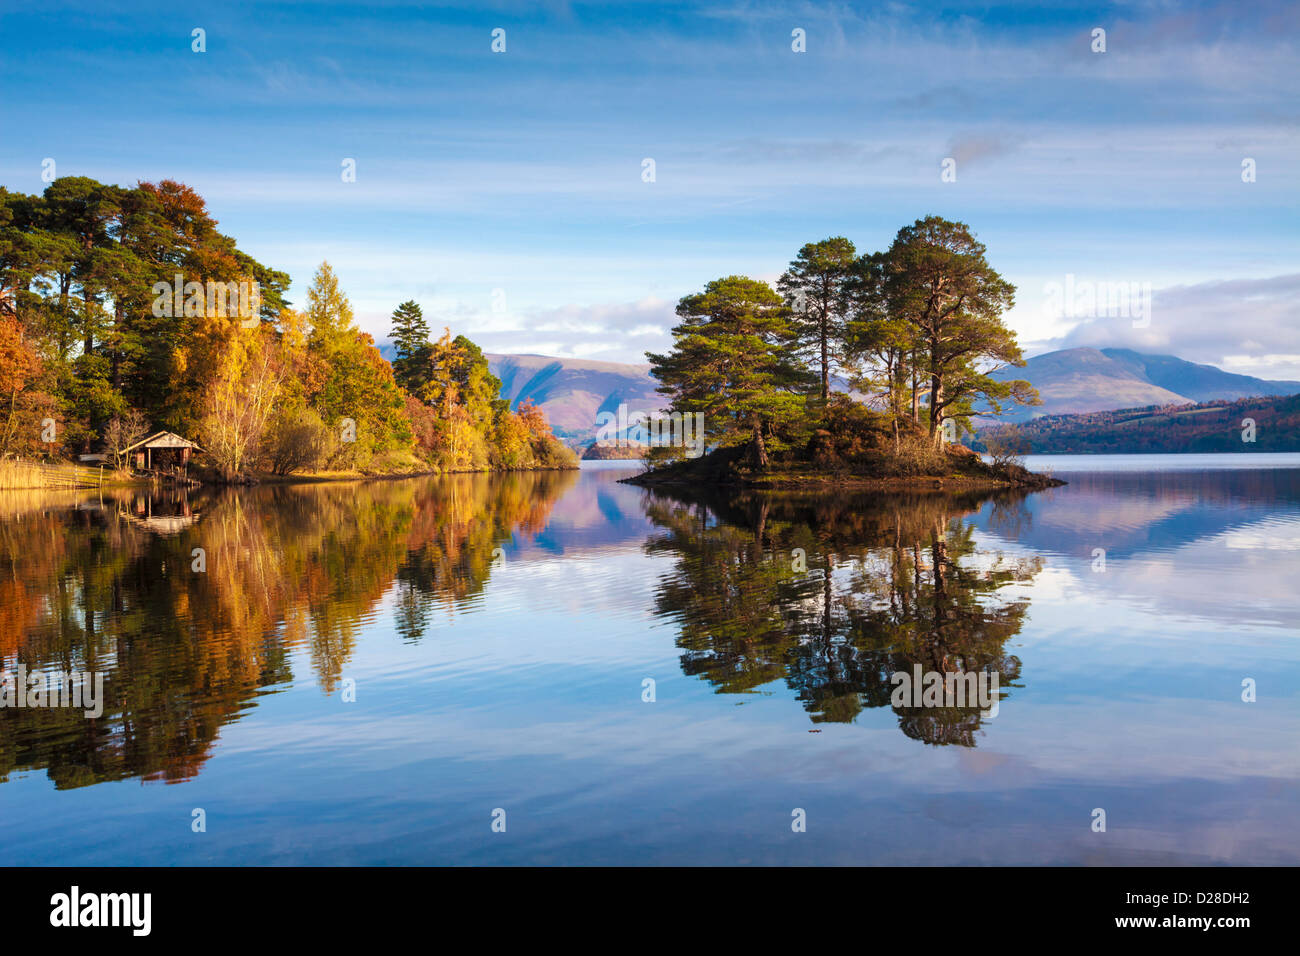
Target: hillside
<point>1200,383</point>
<point>572,392</point>
<point>1206,427</point>
<point>1073,381</point>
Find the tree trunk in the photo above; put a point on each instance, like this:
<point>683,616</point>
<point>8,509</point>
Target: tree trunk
<point>89,329</point>
<point>117,351</point>
<point>916,408</point>
<point>936,413</point>
<point>826,364</point>
<point>757,447</point>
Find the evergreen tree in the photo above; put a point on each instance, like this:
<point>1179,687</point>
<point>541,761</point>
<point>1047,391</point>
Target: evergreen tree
<point>410,335</point>
<point>732,360</point>
<point>936,279</point>
<point>816,287</point>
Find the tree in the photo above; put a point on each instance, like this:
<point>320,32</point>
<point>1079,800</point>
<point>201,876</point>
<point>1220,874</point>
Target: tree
<point>355,381</point>
<point>123,431</point>
<point>816,286</point>
<point>410,334</point>
<point>80,270</point>
<point>1007,446</point>
<point>458,374</point>
<point>880,346</point>
<point>296,439</point>
<point>935,278</point>
<point>239,402</point>
<point>732,360</point>
<point>86,211</point>
<point>19,365</point>
<point>328,310</point>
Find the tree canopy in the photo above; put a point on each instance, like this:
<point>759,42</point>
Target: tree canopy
<point>733,360</point>
<point>122,305</point>
<point>915,330</point>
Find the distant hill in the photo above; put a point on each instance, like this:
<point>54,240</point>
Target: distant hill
<point>1072,381</point>
<point>1207,427</point>
<point>573,392</point>
<point>1201,383</point>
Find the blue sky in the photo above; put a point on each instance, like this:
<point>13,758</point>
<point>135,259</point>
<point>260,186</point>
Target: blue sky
<point>504,191</point>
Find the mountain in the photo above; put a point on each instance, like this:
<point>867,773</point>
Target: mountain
<point>1200,383</point>
<point>573,392</point>
<point>1072,381</point>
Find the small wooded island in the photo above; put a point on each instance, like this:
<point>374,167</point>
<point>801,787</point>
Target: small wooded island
<point>910,336</point>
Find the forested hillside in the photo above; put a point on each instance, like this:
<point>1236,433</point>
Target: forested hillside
<point>124,310</point>
<point>1269,424</point>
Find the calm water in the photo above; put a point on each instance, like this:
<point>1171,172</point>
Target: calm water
<point>497,634</point>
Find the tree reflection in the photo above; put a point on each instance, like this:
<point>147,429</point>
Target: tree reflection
<point>835,594</point>
<point>290,571</point>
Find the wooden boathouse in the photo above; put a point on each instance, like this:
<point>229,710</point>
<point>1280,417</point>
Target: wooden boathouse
<point>162,452</point>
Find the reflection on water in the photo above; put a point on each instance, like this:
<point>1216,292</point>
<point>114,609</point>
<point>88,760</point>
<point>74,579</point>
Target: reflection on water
<point>836,594</point>
<point>193,604</point>
<point>496,634</point>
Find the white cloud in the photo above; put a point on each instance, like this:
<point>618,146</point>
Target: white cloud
<point>1250,326</point>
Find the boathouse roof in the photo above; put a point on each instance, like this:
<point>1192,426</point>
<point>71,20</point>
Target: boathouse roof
<point>163,440</point>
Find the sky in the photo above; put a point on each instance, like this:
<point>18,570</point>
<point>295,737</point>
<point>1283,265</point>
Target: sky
<point>508,193</point>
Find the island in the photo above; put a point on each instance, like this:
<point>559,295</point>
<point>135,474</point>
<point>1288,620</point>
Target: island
<point>860,370</point>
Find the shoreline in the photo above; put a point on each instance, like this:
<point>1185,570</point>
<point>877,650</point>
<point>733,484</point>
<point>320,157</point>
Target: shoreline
<point>327,477</point>
<point>829,482</point>
<point>251,481</point>
<point>962,470</point>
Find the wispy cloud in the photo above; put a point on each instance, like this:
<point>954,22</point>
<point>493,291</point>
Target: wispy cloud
<point>523,170</point>
<point>1250,326</point>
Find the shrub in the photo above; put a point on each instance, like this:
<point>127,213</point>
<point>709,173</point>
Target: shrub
<point>297,440</point>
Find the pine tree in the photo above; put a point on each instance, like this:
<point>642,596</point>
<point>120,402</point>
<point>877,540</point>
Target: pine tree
<point>936,279</point>
<point>732,360</point>
<point>816,287</point>
<point>410,335</point>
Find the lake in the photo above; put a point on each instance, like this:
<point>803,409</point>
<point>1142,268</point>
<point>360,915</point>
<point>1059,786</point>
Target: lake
<point>559,668</point>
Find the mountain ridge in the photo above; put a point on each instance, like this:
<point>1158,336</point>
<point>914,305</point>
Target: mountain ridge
<point>1081,380</point>
<point>573,391</point>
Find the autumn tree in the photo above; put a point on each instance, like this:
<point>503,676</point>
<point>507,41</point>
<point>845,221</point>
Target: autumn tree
<point>116,294</point>
<point>357,384</point>
<point>19,365</point>
<point>239,401</point>
<point>123,431</point>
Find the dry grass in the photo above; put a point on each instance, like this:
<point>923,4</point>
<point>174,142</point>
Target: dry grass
<point>32,475</point>
<point>20,474</point>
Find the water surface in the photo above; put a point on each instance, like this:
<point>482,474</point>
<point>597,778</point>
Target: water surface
<point>498,633</point>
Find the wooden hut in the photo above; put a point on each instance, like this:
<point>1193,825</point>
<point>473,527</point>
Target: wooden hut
<point>162,451</point>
